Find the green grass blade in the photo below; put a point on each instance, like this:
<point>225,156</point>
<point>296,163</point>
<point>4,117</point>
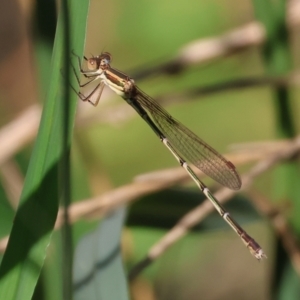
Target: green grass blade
<point>36,215</point>
<point>277,57</point>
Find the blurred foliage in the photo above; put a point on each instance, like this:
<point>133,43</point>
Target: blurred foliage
<point>211,260</point>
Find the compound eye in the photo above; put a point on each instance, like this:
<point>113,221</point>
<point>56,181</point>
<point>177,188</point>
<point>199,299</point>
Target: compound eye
<point>91,64</point>
<point>107,56</point>
<point>104,62</point>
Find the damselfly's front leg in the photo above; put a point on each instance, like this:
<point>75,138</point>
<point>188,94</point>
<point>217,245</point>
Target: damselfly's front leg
<point>85,73</point>
<point>99,88</point>
<point>92,76</point>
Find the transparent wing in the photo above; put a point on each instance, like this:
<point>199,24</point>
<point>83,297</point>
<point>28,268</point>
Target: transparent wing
<point>190,146</point>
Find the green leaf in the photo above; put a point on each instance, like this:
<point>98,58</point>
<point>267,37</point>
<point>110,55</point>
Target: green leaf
<point>98,269</point>
<point>37,211</point>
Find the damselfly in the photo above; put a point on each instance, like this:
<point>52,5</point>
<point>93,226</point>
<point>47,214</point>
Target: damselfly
<point>179,140</point>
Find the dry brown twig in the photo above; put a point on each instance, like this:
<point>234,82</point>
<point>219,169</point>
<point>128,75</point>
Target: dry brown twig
<point>160,180</point>
<point>153,182</point>
<point>250,35</point>
<point>123,112</point>
<point>280,226</point>
<point>12,181</point>
<point>204,50</point>
<point>14,137</point>
<point>199,213</point>
<point>18,133</point>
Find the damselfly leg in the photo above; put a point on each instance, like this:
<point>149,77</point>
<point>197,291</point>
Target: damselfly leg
<point>92,76</point>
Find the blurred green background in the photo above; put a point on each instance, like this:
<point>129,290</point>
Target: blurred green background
<point>211,262</point>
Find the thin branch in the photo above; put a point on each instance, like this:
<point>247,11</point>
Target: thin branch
<point>155,181</point>
<point>236,84</point>
<point>18,133</point>
<point>280,225</point>
<point>200,212</point>
<point>152,182</point>
<point>123,112</point>
<point>206,50</point>
<point>12,181</point>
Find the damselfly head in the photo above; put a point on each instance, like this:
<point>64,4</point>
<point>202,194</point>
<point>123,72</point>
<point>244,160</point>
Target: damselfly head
<point>99,62</point>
